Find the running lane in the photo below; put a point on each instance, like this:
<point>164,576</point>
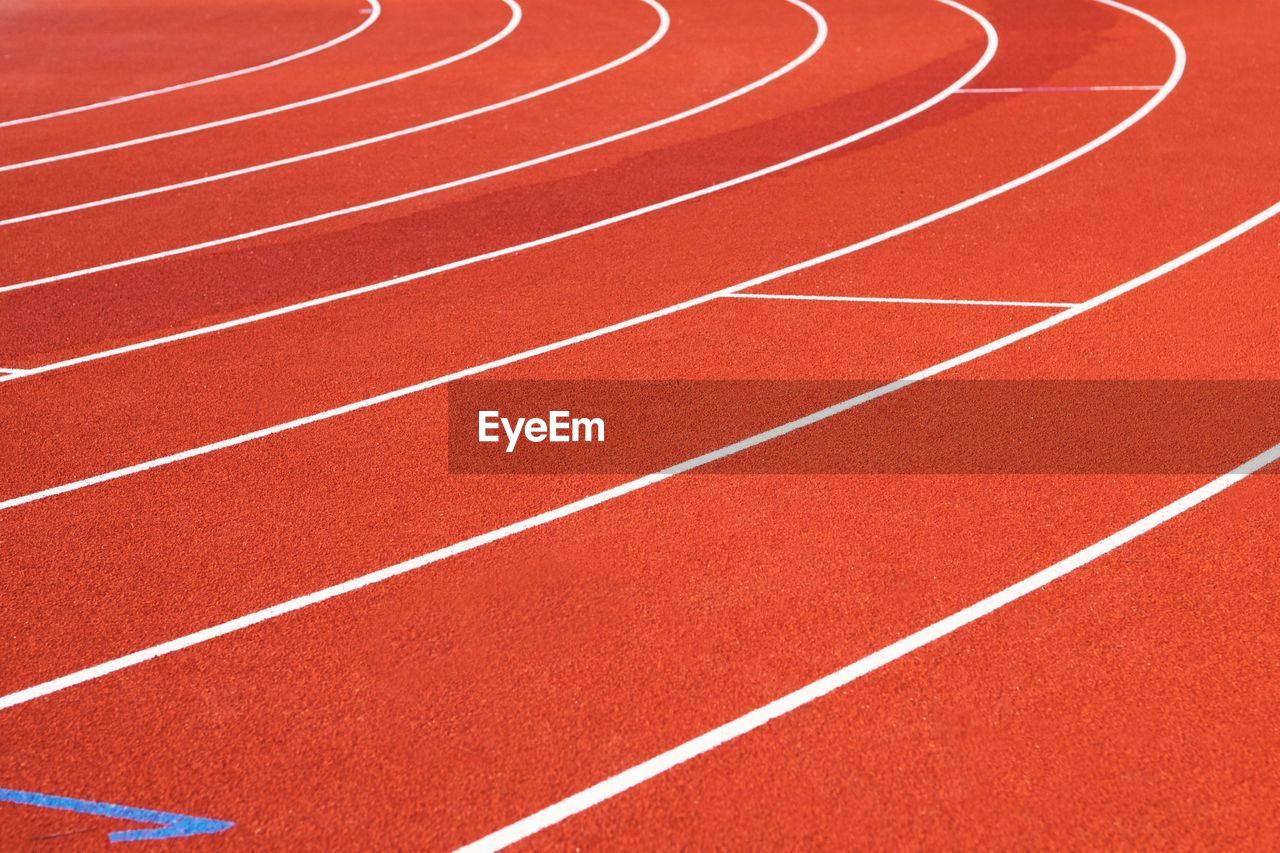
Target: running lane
<point>1129,704</point>
<point>520,673</point>
<point>406,36</point>
<point>71,53</point>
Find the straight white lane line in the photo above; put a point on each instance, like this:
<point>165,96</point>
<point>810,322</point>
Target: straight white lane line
<point>511,24</point>
<point>819,38</point>
<point>807,297</point>
<point>752,720</point>
<point>303,601</point>
<point>372,14</point>
<point>664,24</point>
<point>12,370</point>
<point>1019,89</point>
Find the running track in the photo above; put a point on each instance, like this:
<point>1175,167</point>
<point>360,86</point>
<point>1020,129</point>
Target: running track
<point>240,582</point>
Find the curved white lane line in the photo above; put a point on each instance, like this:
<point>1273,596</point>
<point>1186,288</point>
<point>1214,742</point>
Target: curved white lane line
<point>512,23</point>
<point>248,620</point>
<point>803,57</point>
<point>375,11</point>
<point>664,24</point>
<point>983,61</point>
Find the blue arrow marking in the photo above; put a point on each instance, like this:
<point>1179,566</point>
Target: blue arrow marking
<point>171,825</point>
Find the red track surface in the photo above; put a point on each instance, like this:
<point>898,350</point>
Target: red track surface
<point>1128,704</point>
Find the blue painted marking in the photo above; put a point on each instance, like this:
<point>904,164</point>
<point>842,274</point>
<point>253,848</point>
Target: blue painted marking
<point>171,825</point>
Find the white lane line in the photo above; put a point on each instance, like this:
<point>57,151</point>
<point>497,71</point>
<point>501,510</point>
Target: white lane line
<point>11,370</point>
<point>370,15</point>
<point>664,23</point>
<point>814,690</point>
<point>368,402</point>
<point>809,297</point>
<point>818,40</point>
<point>1018,89</point>
<point>231,626</point>
<point>511,24</point>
